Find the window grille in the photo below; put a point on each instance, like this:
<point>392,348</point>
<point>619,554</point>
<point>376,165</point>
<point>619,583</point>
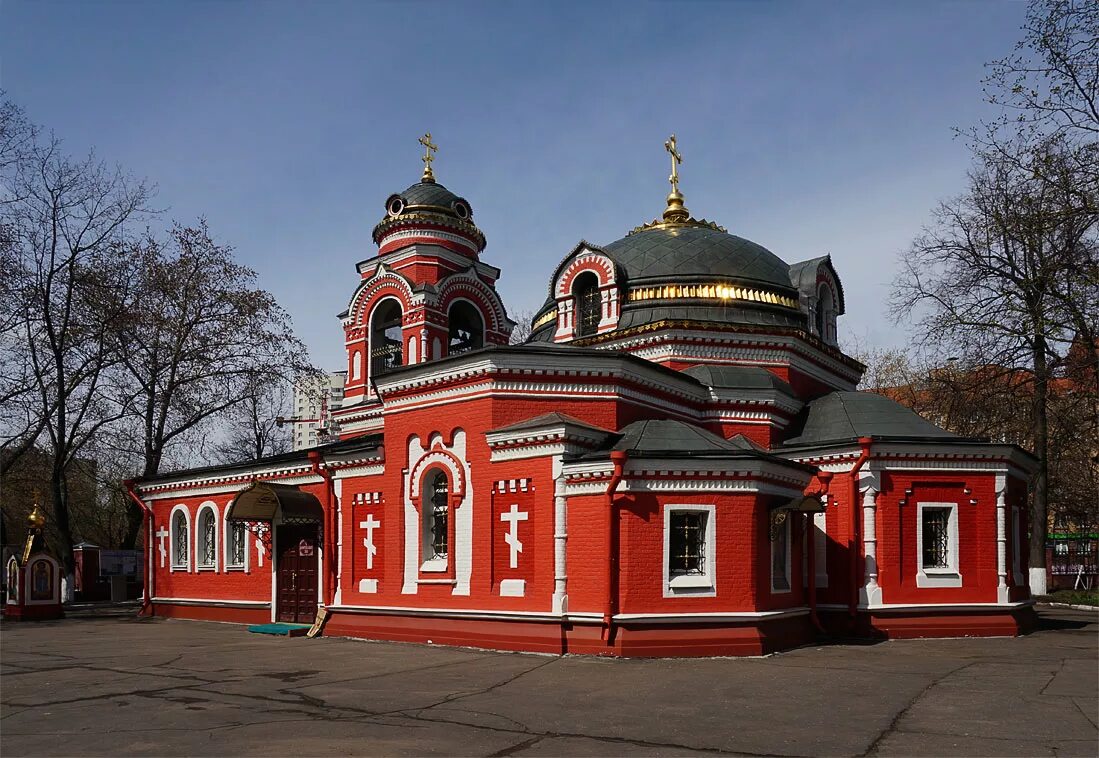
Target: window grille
<point>688,543</point>
<point>936,538</point>
<point>209,538</point>
<point>589,305</point>
<point>440,506</point>
<point>236,543</point>
<point>181,537</point>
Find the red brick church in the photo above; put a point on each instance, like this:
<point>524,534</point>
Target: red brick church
<point>676,462</point>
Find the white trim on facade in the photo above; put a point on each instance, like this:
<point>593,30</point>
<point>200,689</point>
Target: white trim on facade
<point>199,547</point>
<point>693,585</point>
<point>949,576</point>
<point>174,564</point>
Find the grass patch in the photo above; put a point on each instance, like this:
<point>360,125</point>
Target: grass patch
<point>1072,597</point>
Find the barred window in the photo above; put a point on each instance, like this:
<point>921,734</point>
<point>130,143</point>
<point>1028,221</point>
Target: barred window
<point>180,537</point>
<point>437,514</point>
<point>688,543</point>
<point>236,543</point>
<point>207,526</point>
<point>589,304</point>
<point>936,538</point>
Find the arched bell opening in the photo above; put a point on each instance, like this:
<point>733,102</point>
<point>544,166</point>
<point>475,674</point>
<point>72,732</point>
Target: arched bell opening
<point>589,304</point>
<point>467,328</point>
<point>386,351</point>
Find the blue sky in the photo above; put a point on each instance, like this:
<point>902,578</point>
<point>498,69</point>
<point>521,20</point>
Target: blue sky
<point>808,127</point>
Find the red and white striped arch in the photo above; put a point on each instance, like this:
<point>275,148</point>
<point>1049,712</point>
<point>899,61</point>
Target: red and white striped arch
<point>604,270</point>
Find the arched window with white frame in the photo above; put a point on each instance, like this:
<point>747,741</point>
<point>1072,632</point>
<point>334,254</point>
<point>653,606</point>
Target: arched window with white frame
<point>236,544</point>
<point>181,538</point>
<point>589,304</point>
<point>206,537</point>
<point>435,521</point>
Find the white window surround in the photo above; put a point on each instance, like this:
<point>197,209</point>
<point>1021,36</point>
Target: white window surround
<point>199,536</point>
<point>949,576</point>
<point>228,545</point>
<point>784,535</point>
<point>432,565</point>
<point>691,585</point>
<point>175,562</point>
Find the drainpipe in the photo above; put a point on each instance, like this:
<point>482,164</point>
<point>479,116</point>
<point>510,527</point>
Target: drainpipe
<point>853,602</point>
<point>147,574</point>
<point>618,458</point>
<point>330,558</point>
<point>824,478</point>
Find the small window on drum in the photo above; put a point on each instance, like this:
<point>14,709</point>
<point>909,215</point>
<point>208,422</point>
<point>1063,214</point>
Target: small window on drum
<point>461,209</point>
<point>385,338</point>
<point>589,304</point>
<point>395,206</point>
<point>467,328</point>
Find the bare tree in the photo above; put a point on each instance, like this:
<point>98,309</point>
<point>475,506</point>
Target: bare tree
<point>1051,79</point>
<point>522,328</point>
<point>1000,279</point>
<point>253,429</point>
<point>200,335</point>
<point>64,220</point>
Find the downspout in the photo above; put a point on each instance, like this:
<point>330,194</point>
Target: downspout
<point>864,455</point>
<point>618,458</point>
<point>330,558</point>
<point>147,574</point>
<point>825,478</point>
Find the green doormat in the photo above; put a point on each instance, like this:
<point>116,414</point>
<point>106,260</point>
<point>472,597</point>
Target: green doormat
<point>284,630</point>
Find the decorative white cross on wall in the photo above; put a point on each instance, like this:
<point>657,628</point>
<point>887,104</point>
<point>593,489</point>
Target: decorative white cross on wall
<point>370,525</point>
<point>512,518</point>
<point>162,533</point>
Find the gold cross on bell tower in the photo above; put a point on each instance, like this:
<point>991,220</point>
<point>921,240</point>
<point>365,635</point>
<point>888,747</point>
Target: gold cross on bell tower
<point>676,212</point>
<point>429,151</point>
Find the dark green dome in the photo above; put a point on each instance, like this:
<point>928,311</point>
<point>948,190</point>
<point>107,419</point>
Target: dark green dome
<point>430,197</point>
<point>696,251</point>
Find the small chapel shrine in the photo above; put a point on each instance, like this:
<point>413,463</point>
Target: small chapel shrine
<point>676,462</point>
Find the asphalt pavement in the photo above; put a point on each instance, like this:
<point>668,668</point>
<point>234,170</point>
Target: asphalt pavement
<point>118,685</point>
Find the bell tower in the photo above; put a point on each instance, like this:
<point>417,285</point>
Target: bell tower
<point>426,294</point>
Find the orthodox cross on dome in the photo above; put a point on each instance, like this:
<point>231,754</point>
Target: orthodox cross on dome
<point>676,212</point>
<point>669,145</point>
<point>429,155</point>
<point>512,519</point>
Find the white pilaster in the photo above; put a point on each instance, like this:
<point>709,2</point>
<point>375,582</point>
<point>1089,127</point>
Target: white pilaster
<point>560,539</point>
<point>870,486</point>
<point>1002,592</point>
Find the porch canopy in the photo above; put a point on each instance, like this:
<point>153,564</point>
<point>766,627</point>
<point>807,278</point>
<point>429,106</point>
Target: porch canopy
<point>803,504</point>
<point>263,501</point>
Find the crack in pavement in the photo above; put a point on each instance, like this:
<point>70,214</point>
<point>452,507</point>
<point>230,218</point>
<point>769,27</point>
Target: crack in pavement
<point>873,748</point>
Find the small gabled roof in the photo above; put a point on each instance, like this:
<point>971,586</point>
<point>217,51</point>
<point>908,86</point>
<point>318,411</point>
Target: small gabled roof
<point>666,438</point>
<point>548,419</point>
<point>843,416</point>
<point>739,377</point>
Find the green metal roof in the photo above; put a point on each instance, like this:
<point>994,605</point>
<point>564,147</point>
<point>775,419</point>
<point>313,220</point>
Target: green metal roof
<point>842,416</point>
<point>699,251</point>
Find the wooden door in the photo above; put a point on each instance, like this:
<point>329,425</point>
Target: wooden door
<point>296,588</point>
